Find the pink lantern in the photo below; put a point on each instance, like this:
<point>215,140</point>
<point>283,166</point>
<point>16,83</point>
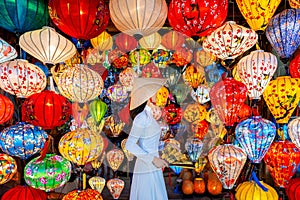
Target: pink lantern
<point>115,187</point>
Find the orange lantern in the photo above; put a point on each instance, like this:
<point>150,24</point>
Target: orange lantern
<point>173,40</point>
<point>200,128</point>
<point>102,42</point>
<point>115,187</point>
<point>203,58</point>
<point>89,194</point>
<point>194,76</point>
<point>6,109</point>
<point>8,168</point>
<point>294,4</point>
<point>181,57</point>
<point>162,96</point>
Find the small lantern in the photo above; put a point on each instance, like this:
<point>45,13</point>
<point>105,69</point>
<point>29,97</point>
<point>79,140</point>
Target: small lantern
<point>199,128</point>
<point>172,113</point>
<point>201,94</point>
<point>161,58</point>
<point>173,40</point>
<point>7,52</point>
<point>294,4</point>
<point>102,42</point>
<point>118,59</point>
<point>97,183</point>
<point>194,76</point>
<point>6,109</point>
<point>171,73</point>
<point>139,57</point>
<point>194,112</point>
<point>24,193</point>
<point>115,158</point>
<point>151,70</point>
<point>294,131</point>
<point>88,194</point>
<point>151,41</point>
<point>8,168</point>
<point>180,91</point>
<point>115,187</point>
<point>203,58</point>
<point>117,93</point>
<point>194,148</point>
<point>126,78</point>
<point>162,96</point>
<point>98,109</point>
<point>125,42</point>
<point>182,57</point>
<point>295,67</point>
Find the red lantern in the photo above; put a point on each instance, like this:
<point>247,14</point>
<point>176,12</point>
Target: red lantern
<point>292,189</point>
<point>172,113</point>
<point>46,109</point>
<point>200,128</point>
<point>79,19</point>
<point>181,57</point>
<point>295,67</point>
<point>118,59</point>
<point>24,193</point>
<point>198,17</point>
<point>151,70</point>
<point>6,109</point>
<point>126,42</point>
<point>173,40</point>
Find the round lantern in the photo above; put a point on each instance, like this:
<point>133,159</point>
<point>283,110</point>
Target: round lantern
<point>151,41</point>
<point>214,73</point>
<point>227,161</point>
<point>22,16</point>
<point>102,42</point>
<point>182,57</point>
<point>282,160</point>
<point>173,40</point>
<point>98,109</point>
<point>135,17</point>
<point>194,112</point>
<point>22,140</point>
<point>80,84</point>
<point>139,57</point>
<point>88,194</point>
<point>97,183</point>
<point>284,41</point>
<point>79,20</point>
<point>126,78</point>
<point>201,94</point>
<point>21,78</point>
<point>161,57</point>
<point>295,67</point>
<point>197,18</point>
<point>47,174</point>
<point>6,109</point>
<point>203,58</point>
<point>7,52</point>
<point>117,93</point>
<point>46,109</point>
<point>151,71</point>
<point>81,146</point>
<point>294,4</point>
<point>118,58</point>
<point>115,187</point>
<point>24,193</point>
<point>194,76</point>
<point>115,158</point>
<point>292,189</point>
<point>294,131</point>
<point>162,96</point>
<point>282,97</point>
<point>199,128</point>
<point>47,45</point>
<point>172,113</point>
<point>79,113</point>
<point>125,42</point>
<point>8,168</point>
<point>255,135</point>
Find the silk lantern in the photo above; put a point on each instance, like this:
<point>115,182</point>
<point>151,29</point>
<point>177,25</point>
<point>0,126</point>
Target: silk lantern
<point>22,140</point>
<point>115,187</point>
<point>118,58</point>
<point>171,73</point>
<point>200,128</point>
<point>46,109</point>
<point>197,18</point>
<point>292,189</point>
<point>255,136</point>
<point>117,93</point>
<point>47,45</point>
<point>21,16</point>
<point>295,67</point>
<point>194,76</point>
<point>97,183</point>
<point>201,94</point>
<point>181,57</point>
<point>81,146</point>
<point>194,148</point>
<point>51,172</point>
<point>21,78</point>
<point>139,57</point>
<point>173,40</point>
<point>125,42</point>
<point>79,20</point>
<point>180,92</point>
<point>294,131</point>
<point>194,112</point>
<point>151,41</point>
<point>283,33</point>
<point>294,4</point>
<point>79,113</point>
<point>256,70</point>
<point>227,161</point>
<point>161,57</point>
<point>88,194</point>
<point>126,78</point>
<point>258,13</point>
<point>203,58</point>
<point>98,109</point>
<point>102,42</point>
<point>213,73</point>
<point>282,160</point>
<point>8,168</point>
<point>115,158</point>
<point>7,52</point>
<point>6,109</point>
<point>136,17</point>
<point>21,192</point>
<point>282,97</point>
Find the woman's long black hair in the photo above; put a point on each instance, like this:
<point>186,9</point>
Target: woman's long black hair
<point>137,110</point>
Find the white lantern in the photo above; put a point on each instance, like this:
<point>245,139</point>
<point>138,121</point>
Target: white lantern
<point>150,42</point>
<point>294,131</point>
<point>7,52</point>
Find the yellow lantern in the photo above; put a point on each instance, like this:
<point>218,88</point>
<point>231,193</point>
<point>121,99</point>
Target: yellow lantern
<point>162,96</point>
<point>102,42</point>
<point>150,42</point>
<point>294,4</point>
<point>204,58</point>
<point>194,76</point>
<point>194,112</point>
<point>282,96</point>
<point>97,183</point>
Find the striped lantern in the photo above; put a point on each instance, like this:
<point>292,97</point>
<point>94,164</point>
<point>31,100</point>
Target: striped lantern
<point>203,58</point>
<point>102,42</point>
<point>151,41</point>
<point>173,40</point>
<point>7,52</point>
<point>6,109</point>
<point>24,193</point>
<point>294,131</point>
<point>98,109</point>
<point>8,168</point>
<point>125,42</point>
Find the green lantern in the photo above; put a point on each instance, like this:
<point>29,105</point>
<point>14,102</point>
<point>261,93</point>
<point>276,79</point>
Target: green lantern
<point>98,109</point>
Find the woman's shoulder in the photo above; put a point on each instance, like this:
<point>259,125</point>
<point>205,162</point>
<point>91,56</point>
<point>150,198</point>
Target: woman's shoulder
<point>142,119</point>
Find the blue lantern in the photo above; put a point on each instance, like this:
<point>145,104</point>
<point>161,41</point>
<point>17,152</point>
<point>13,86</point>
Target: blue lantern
<point>283,32</point>
<point>194,148</point>
<point>176,169</point>
<point>213,73</point>
<point>22,140</point>
<point>255,135</point>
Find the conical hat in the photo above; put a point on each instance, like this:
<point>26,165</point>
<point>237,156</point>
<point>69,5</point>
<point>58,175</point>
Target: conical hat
<point>143,89</point>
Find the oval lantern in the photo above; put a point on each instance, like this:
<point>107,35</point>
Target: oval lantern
<point>47,45</point>
<point>79,20</point>
<point>79,113</point>
<point>126,78</point>
<point>255,136</point>
<point>194,76</point>
<point>21,78</point>
<point>6,109</point>
<point>294,131</point>
<point>115,187</point>
<point>282,97</point>
<point>284,41</point>
<point>258,13</point>
<point>256,70</point>
<point>7,52</point>
<point>295,67</point>
<point>214,73</point>
<point>161,58</point>
<point>80,84</point>
<point>151,71</point>
<point>282,160</point>
<point>81,146</point>
<point>22,16</point>
<point>22,140</point>
<point>151,41</point>
<point>199,128</point>
<point>117,93</point>
<point>173,40</point>
<point>182,57</point>
<point>88,194</point>
<point>227,161</point>
<point>51,172</point>
<point>102,42</point>
<point>194,148</point>
<point>115,158</point>
<point>201,94</point>
<point>194,112</point>
<point>118,58</point>
<point>8,168</point>
<point>294,4</point>
<point>98,109</point>
<point>139,57</point>
<point>162,96</point>
<point>97,183</point>
<point>197,18</point>
<point>21,192</point>
<point>172,113</point>
<point>46,109</point>
<point>203,58</point>
<point>125,42</point>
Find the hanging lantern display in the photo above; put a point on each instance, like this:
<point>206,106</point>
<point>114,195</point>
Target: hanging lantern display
<point>46,109</point>
<point>115,158</point>
<point>129,16</point>
<point>227,161</point>
<point>21,192</point>
<point>294,4</point>
<point>47,174</point>
<point>294,131</point>
<point>227,97</point>
<point>125,42</point>
<point>161,57</point>
<point>115,187</point>
<point>97,183</point>
<point>256,70</point>
<point>98,109</point>
<point>139,57</point>
<point>194,76</point>
<point>173,40</point>
<point>216,124</point>
<point>203,58</point>
<point>181,57</point>
<point>258,13</point>
<point>118,59</point>
<point>88,194</point>
<point>194,112</point>
<point>81,146</point>
<point>197,18</point>
<point>295,67</point>
<point>199,128</point>
<point>6,109</point>
<point>162,96</point>
<point>151,71</point>
<point>151,41</point>
<point>7,52</point>
<point>115,126</point>
<point>255,136</point>
<point>284,41</point>
<point>117,93</point>
<point>8,168</point>
<point>200,164</point>
<point>201,95</point>
<point>47,45</point>
<point>126,78</point>
<point>80,84</point>
<point>79,20</point>
<point>180,92</point>
<point>102,42</point>
<point>194,148</point>
<point>172,113</point>
<point>282,97</point>
<point>22,140</point>
<point>21,16</point>
<point>282,160</point>
<point>21,78</point>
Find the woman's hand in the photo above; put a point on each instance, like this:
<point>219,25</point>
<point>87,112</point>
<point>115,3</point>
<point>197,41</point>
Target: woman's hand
<point>159,163</point>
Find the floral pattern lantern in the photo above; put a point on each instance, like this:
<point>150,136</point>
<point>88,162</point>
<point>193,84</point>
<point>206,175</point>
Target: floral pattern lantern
<point>8,168</point>
<point>6,109</point>
<point>180,91</point>
<point>295,67</point>
<point>21,78</point>
<point>118,59</point>
<point>151,41</point>
<point>172,113</point>
<point>115,187</point>
<point>22,140</point>
<point>256,70</point>
<point>182,57</point>
<point>88,194</point>
<point>126,78</point>
<point>47,174</point>
<point>7,52</point>
<point>97,183</point>
<point>294,131</point>
<point>81,146</point>
<point>151,71</point>
<point>294,4</point>
<point>282,160</point>
<point>125,42</point>
<point>161,58</point>
<point>98,109</point>
<point>117,93</point>
<point>162,96</point>
<point>173,40</point>
<point>194,148</point>
<point>194,76</point>
<point>197,18</point>
<point>227,161</point>
<point>255,135</point>
<point>199,128</point>
<point>102,42</point>
<point>24,193</point>
<point>80,84</point>
<point>46,109</point>
<point>115,158</point>
<point>282,97</point>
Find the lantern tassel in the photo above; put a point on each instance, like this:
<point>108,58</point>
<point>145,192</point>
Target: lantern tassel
<point>254,178</point>
<point>43,152</point>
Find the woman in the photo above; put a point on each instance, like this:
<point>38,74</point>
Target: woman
<point>148,181</point>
